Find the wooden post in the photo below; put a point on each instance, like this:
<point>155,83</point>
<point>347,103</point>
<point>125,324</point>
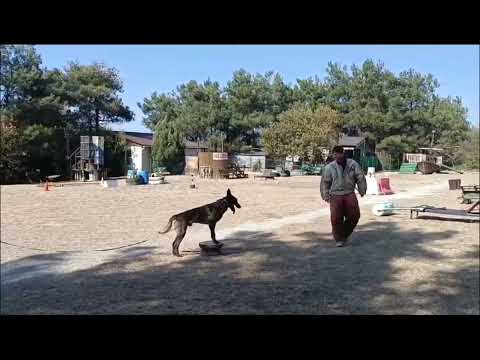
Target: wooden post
<point>67,146</point>
<point>125,164</point>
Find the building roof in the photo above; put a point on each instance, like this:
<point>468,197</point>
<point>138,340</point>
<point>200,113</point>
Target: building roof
<point>139,138</point>
<point>253,153</point>
<point>146,139</point>
<point>195,145</point>
<point>432,149</point>
<point>350,140</point>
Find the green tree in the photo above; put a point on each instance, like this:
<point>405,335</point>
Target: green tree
<point>303,131</point>
<point>30,113</point>
<point>196,110</point>
<point>449,120</point>
<point>168,147</point>
<point>310,92</point>
<point>468,153</point>
<point>338,88</point>
<point>386,107</point>
<point>20,76</point>
<point>412,97</point>
<point>11,155</point>
<point>115,153</point>
<point>92,93</point>
<point>159,107</point>
<point>369,98</point>
<point>254,103</point>
<point>202,112</point>
<point>395,146</point>
<point>27,92</point>
<point>398,112</point>
<point>40,146</point>
<point>37,107</point>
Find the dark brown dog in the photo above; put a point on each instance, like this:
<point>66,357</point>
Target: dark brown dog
<point>207,214</point>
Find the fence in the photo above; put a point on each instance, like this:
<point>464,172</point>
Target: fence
<point>416,158</point>
<point>388,162</point>
<point>370,161</point>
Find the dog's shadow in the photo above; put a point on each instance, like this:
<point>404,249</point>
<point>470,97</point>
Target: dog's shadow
<point>223,252</point>
<point>230,247</point>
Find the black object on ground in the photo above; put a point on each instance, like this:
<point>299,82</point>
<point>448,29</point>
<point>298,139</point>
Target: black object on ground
<point>446,214</point>
<point>210,248</point>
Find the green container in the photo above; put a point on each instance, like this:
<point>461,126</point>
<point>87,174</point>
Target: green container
<point>408,168</point>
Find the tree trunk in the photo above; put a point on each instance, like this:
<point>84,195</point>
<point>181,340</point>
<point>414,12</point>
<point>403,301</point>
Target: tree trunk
<point>67,148</point>
<point>97,121</point>
<point>89,122</point>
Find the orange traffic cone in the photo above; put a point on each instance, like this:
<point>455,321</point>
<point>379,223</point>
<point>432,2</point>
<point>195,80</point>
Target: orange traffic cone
<point>46,186</point>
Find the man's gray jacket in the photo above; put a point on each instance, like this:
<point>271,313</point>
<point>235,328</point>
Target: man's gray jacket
<point>339,181</point>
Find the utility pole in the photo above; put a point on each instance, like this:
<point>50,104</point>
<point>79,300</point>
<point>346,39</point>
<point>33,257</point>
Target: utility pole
<point>223,137</point>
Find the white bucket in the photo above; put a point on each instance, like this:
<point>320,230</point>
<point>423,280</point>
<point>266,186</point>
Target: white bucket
<point>372,185</point>
<point>109,183</point>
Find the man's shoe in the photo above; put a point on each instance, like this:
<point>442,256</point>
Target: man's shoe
<point>347,240</point>
<point>339,243</point>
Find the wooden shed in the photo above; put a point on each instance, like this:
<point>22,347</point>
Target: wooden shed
<point>192,150</point>
<point>211,164</point>
<point>354,147</point>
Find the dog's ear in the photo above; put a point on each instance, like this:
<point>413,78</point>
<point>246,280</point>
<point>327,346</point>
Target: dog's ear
<point>229,193</point>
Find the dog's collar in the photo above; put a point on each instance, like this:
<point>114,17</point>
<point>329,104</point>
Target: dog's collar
<point>224,199</point>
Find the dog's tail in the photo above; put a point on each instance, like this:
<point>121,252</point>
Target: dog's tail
<point>169,226</point>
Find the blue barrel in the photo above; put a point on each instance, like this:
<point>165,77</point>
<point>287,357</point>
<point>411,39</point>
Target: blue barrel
<point>144,175</point>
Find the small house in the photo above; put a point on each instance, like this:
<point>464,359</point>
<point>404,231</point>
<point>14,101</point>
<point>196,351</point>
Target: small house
<point>139,150</point>
<point>354,147</point>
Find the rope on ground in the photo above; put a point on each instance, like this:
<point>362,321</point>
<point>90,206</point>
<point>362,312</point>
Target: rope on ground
<point>23,247</point>
<point>123,246</point>
<point>84,251</point>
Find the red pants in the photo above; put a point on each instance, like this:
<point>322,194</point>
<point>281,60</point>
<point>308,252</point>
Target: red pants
<point>344,215</point>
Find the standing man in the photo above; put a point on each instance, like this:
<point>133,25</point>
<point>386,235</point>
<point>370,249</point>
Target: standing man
<point>338,188</point>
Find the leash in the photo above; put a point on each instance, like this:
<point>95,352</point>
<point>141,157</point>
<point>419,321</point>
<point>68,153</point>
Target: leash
<point>84,251</point>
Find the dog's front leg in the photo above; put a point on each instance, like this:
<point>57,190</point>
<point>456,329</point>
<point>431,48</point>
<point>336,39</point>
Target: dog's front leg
<point>212,232</point>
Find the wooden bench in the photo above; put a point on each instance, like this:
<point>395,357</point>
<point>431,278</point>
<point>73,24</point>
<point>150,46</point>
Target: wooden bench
<point>224,173</point>
<point>236,171</point>
<point>470,193</point>
<point>267,174</point>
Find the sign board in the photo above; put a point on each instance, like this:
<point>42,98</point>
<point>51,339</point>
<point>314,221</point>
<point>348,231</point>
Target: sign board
<point>348,148</point>
<point>191,164</point>
<point>220,156</point>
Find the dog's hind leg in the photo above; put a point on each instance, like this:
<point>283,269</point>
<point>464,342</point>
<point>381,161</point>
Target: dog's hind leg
<point>212,232</point>
<point>181,230</point>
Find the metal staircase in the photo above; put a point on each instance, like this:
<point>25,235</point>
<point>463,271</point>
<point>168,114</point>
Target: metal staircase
<point>75,162</point>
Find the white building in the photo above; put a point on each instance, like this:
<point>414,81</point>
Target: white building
<point>139,152</point>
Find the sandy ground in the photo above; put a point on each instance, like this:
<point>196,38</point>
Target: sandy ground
<point>279,254</point>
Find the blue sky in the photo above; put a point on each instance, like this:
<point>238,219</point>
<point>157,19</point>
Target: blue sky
<point>148,68</point>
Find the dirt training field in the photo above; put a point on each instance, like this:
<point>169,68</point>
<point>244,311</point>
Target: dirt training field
<point>279,254</point>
